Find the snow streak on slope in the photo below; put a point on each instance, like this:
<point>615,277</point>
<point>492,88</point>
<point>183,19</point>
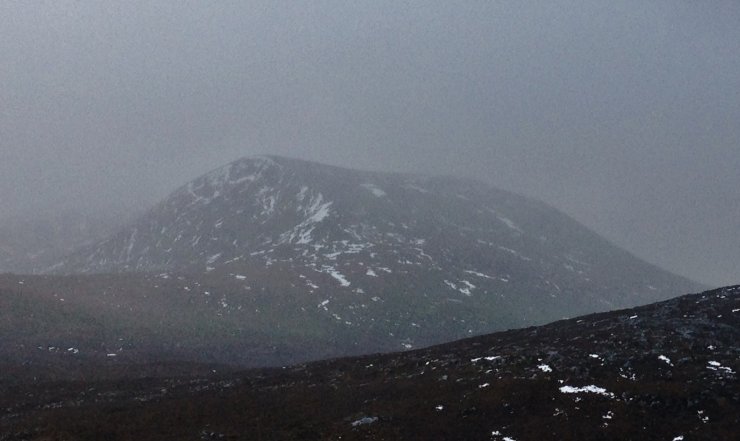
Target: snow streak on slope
<point>316,211</point>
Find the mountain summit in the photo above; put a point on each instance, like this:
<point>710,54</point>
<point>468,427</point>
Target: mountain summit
<point>366,248</point>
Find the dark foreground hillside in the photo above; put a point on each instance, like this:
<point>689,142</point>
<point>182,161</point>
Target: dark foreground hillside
<point>666,371</point>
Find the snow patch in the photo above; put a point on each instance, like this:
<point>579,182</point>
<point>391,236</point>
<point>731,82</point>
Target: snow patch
<point>302,194</point>
<point>317,211</point>
<point>717,366</point>
<point>469,287</point>
<point>364,420</point>
<point>416,188</point>
<point>377,192</point>
<point>462,289</point>
<point>336,274</point>
<point>515,253</point>
<point>509,223</point>
<point>476,273</point>
<point>490,358</point>
<point>587,389</point>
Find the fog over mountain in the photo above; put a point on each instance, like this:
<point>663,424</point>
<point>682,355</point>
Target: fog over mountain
<point>622,115</point>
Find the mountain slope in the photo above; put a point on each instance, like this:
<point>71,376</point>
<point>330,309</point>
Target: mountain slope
<point>666,371</point>
<point>30,243</point>
<point>425,259</point>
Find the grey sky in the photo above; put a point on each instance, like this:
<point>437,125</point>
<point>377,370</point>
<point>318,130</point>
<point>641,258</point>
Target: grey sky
<point>624,114</point>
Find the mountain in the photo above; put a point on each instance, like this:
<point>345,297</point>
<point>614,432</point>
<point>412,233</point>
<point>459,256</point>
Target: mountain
<point>667,371</point>
<point>389,260</point>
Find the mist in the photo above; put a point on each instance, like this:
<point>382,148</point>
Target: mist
<point>623,115</point>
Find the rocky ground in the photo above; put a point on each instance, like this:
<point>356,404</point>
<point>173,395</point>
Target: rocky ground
<point>667,371</point>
